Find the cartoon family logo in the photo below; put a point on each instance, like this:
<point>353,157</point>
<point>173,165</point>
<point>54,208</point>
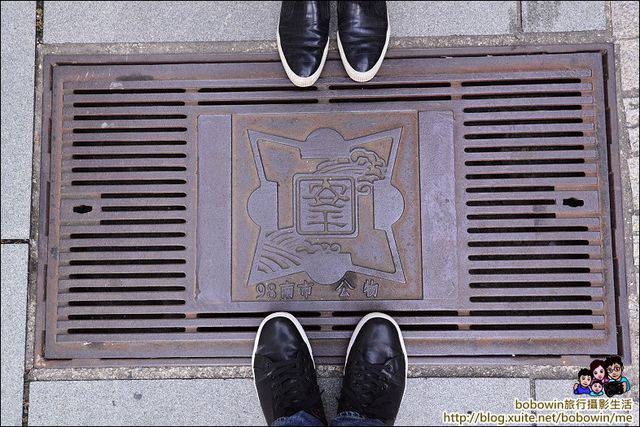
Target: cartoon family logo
<point>602,377</point>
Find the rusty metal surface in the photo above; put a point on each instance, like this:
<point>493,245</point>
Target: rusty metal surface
<point>467,195</point>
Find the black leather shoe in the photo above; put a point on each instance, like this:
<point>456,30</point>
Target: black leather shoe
<point>363,37</point>
<point>375,370</point>
<point>303,39</point>
<point>284,370</point>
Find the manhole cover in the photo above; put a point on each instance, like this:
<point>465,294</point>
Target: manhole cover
<point>468,193</point>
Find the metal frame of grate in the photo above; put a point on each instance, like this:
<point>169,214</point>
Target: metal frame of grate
<point>530,248</point>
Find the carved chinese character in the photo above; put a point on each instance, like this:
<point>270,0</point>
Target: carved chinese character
<point>370,288</point>
<point>305,289</point>
<point>343,289</point>
<point>286,290</point>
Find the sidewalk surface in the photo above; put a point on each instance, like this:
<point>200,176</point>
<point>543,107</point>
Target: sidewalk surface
<point>89,401</point>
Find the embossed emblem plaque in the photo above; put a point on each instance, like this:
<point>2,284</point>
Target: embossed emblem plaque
<point>322,207</point>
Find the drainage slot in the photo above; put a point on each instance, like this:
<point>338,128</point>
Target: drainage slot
<point>510,108</point>
<point>525,175</point>
<point>391,99</point>
<point>523,135</point>
<point>126,248</point>
<point>126,316</point>
<point>142,221</point>
<point>533,298</point>
<point>508,257</point>
<point>545,270</point>
<point>531,243</point>
<point>508,285</point>
<point>523,95</point>
<point>128,104</point>
<point>129,169</point>
<point>124,235</point>
<point>124,303</point>
<point>87,289</point>
<point>142,195</point>
<point>126,143</point>
<point>510,202</point>
<point>529,188</point>
<point>519,82</point>
<point>106,331</point>
<point>130,130</point>
<point>126,91</point>
<point>511,216</point>
<point>531,326</point>
<point>143,208</point>
<point>524,148</point>
<point>87,182</point>
<point>131,117</point>
<point>126,261</point>
<point>521,122</point>
<point>523,162</point>
<point>528,229</point>
<point>126,275</point>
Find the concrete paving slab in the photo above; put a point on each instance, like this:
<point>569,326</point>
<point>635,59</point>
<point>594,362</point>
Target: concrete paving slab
<point>435,18</point>
<point>555,16</point>
<point>184,402</point>
<point>136,21</point>
<point>629,64</point>
<point>624,18</point>
<point>18,55</point>
<point>426,399</point>
<point>554,389</point>
<point>139,21</point>
<point>14,303</point>
<point>138,402</point>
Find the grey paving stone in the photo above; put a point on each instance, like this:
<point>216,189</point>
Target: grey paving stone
<point>184,402</point>
<point>144,402</point>
<point>629,61</point>
<point>437,18</point>
<point>624,17</point>
<point>137,21</point>
<point>554,16</point>
<point>14,304</point>
<point>426,399</point>
<point>554,389</point>
<point>18,53</point>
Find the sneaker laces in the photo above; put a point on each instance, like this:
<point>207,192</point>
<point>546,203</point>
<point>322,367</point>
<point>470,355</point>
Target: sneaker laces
<point>292,388</point>
<point>366,392</point>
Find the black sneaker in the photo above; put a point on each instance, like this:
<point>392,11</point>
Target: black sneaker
<point>375,370</point>
<point>284,371</point>
<point>363,37</point>
<point>303,39</point>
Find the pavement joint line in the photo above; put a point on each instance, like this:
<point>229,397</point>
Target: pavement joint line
<point>519,27</point>
<point>15,241</point>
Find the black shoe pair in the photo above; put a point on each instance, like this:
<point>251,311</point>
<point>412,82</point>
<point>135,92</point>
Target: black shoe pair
<point>374,379</point>
<point>303,38</point>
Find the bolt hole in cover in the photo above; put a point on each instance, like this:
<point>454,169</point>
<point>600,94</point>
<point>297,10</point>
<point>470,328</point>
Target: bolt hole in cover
<point>81,209</point>
<point>465,192</point>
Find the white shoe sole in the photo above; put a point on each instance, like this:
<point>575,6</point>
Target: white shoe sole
<point>255,344</point>
<point>363,76</point>
<point>376,315</point>
<point>296,79</point>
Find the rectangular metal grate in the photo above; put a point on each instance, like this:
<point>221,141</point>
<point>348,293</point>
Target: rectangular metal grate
<point>470,193</point>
